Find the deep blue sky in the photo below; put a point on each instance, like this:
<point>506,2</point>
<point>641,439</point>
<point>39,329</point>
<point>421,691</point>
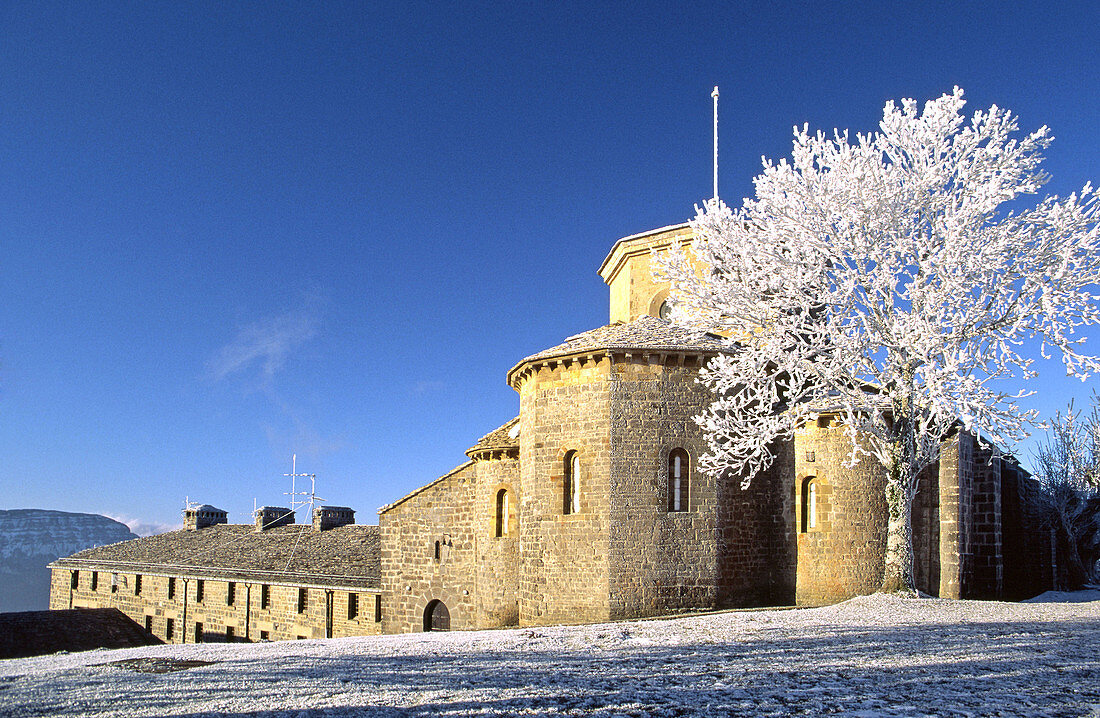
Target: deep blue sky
<point>231,232</point>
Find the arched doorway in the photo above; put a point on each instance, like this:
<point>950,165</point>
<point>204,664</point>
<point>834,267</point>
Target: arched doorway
<point>436,617</point>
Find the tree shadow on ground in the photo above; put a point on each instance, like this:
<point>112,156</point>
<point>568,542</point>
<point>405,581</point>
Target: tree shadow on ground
<point>1025,669</point>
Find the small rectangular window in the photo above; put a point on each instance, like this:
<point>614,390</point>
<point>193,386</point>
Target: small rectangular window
<point>265,596</point>
<point>149,624</point>
<point>353,606</point>
<point>265,636</point>
<point>378,608</point>
<point>137,584</point>
<point>199,590</point>
<point>171,589</point>
<point>198,632</point>
<point>74,580</point>
<point>229,634</point>
<point>303,599</point>
<point>169,628</point>
<point>95,580</point>
<point>230,593</point>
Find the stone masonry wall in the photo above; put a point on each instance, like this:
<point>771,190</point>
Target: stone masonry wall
<point>1030,551</point>
<point>633,290</point>
<point>987,580</point>
<point>660,561</point>
<point>497,556</point>
<point>926,531</point>
<point>846,556</point>
<point>564,558</point>
<point>956,481</point>
<point>755,535</point>
<point>412,576</point>
<point>245,620</point>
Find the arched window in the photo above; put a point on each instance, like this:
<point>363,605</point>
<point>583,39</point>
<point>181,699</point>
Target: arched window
<point>809,504</point>
<point>502,512</point>
<point>678,486</point>
<point>571,486</point>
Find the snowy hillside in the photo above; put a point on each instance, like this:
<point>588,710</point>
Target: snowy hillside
<point>873,656</point>
<point>31,538</point>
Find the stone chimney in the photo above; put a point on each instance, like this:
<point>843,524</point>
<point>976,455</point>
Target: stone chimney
<point>330,517</point>
<point>268,517</point>
<point>199,517</point>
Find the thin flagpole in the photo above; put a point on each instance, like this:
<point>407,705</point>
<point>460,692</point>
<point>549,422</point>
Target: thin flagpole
<point>715,96</point>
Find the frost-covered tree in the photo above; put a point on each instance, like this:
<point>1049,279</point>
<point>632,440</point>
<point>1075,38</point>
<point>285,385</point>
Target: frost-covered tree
<point>892,279</point>
<point>1067,464</point>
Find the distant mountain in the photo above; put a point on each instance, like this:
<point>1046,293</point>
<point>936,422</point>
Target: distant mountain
<point>31,538</point>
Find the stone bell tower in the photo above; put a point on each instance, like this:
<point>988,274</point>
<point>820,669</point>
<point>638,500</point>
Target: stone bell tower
<point>628,271</point>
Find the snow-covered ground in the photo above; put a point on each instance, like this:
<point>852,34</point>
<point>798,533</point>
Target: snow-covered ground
<point>871,656</point>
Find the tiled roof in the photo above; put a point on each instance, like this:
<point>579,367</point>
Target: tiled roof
<point>342,556</point>
<point>503,437</point>
<point>644,333</point>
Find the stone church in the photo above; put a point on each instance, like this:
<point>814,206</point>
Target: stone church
<point>588,506</point>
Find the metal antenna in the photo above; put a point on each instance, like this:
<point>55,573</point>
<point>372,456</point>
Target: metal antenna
<point>309,498</point>
<point>714,94</point>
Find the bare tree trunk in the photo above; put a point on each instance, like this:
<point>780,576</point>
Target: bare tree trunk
<point>899,574</point>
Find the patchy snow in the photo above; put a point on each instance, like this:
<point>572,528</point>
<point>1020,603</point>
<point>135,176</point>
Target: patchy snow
<point>1090,593</point>
<point>871,656</point>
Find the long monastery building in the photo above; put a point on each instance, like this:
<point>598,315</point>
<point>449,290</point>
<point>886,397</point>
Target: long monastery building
<point>588,506</point>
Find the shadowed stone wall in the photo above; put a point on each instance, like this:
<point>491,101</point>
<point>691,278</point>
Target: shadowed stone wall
<point>1029,543</point>
<point>987,575</point>
<point>926,531</point>
<point>756,551</point>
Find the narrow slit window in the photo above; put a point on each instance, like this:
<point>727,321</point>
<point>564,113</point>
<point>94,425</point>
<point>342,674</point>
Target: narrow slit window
<point>809,504</point>
<point>678,480</point>
<point>502,513</point>
<point>571,486</point>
